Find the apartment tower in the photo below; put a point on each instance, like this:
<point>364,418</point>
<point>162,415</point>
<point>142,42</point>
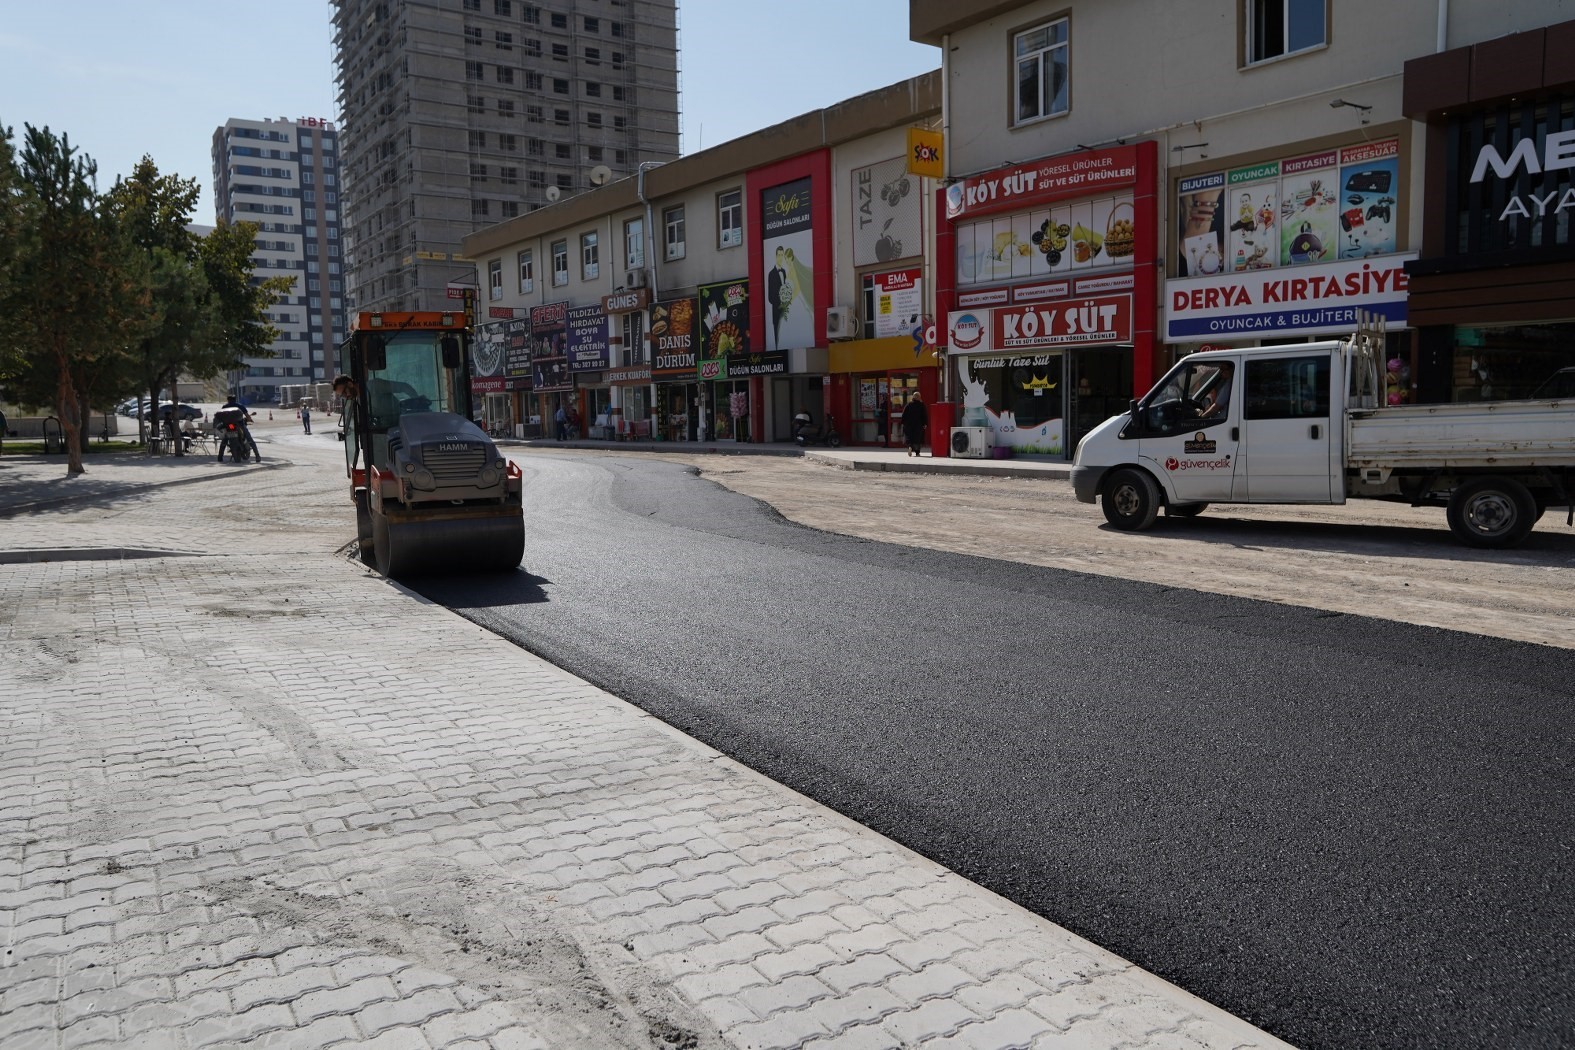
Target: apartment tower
<point>458,114</point>
<point>283,175</point>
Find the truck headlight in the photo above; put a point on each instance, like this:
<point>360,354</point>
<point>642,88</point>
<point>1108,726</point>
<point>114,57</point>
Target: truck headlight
<point>424,479</point>
<point>488,476</point>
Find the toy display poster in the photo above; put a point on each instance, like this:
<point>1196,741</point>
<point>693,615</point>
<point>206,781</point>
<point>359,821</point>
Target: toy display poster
<point>1309,208</point>
<point>1369,187</point>
<point>1252,210</point>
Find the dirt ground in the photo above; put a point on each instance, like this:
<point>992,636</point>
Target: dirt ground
<point>1367,558</point>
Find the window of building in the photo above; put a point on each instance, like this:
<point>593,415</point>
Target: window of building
<point>563,150</point>
<point>473,71</point>
<point>620,122</point>
<point>533,80</point>
<point>503,7</point>
<point>634,244</point>
<point>510,208</point>
<point>730,219</point>
<point>505,75</point>
<point>590,265</point>
<point>475,104</point>
<point>616,28</point>
<point>560,20</point>
<point>593,56</point>
<point>673,231</point>
<point>560,86</point>
<point>505,107</point>
<point>560,117</point>
<point>593,120</point>
<point>560,52</point>
<point>560,262</point>
<point>495,279</point>
<point>532,47</point>
<point>472,34</point>
<point>508,143</point>
<point>593,154</point>
<point>531,14</point>
<point>617,59</point>
<point>479,209</point>
<point>534,147</point>
<point>618,93</point>
<point>503,41</point>
<point>633,326</point>
<point>593,89</point>
<point>509,176</point>
<point>536,180</point>
<point>1043,78</point>
<point>473,5</point>
<point>564,182</point>
<point>620,156</point>
<point>527,266</point>
<point>535,114</point>
<point>1284,27</point>
<point>478,140</point>
<point>478,172</point>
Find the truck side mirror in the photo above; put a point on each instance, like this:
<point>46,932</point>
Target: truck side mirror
<point>376,353</point>
<point>451,351</point>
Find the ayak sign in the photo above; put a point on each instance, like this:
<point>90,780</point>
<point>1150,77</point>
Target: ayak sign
<point>1298,300</point>
<point>1078,175</point>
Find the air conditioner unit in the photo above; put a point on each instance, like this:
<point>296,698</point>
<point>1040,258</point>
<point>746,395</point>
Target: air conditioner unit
<point>839,322</point>
<point>972,442</point>
<point>634,279</point>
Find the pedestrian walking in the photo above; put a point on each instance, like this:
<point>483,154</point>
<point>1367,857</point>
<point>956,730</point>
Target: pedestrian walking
<point>561,418</point>
<point>915,421</point>
<point>306,418</point>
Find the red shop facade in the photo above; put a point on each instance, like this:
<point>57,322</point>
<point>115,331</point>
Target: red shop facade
<point>1046,286</point>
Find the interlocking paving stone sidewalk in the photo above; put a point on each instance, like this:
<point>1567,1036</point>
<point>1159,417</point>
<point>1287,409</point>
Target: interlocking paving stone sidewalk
<point>257,796</point>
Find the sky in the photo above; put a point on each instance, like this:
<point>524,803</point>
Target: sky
<point>156,77</point>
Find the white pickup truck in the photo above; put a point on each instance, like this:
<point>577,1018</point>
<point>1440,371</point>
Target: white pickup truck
<point>1304,424</point>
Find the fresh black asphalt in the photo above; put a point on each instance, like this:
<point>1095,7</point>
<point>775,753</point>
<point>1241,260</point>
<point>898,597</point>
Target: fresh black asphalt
<point>1348,831</point>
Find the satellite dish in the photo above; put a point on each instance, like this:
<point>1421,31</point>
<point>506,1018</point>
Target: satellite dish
<point>600,174</point>
<point>553,193</point>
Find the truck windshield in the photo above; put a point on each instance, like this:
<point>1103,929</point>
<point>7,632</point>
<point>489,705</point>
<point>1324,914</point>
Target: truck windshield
<point>414,379</point>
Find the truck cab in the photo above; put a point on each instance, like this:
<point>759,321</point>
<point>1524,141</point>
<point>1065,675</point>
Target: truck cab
<point>1222,426</point>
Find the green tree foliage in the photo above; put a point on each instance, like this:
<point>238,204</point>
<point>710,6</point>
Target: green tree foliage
<point>76,294</point>
<point>12,230</point>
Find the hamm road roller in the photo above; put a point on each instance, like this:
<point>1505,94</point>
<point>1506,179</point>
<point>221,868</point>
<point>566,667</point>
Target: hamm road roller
<point>432,493</point>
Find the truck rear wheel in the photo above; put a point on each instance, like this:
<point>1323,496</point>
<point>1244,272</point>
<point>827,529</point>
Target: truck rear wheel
<point>1492,512</point>
<point>1130,500</point>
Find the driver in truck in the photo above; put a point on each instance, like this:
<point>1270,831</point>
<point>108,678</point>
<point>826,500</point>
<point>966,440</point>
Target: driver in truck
<point>1216,400</point>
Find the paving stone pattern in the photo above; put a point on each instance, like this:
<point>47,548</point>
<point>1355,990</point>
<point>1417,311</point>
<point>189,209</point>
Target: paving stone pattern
<point>256,796</point>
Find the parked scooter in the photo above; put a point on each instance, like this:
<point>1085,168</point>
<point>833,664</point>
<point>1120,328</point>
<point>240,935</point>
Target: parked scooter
<point>806,432</point>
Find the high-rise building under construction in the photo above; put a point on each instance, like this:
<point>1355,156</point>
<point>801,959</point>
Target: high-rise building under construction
<point>457,114</point>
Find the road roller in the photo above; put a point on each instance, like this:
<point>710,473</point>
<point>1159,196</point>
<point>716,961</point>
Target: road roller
<point>432,492</point>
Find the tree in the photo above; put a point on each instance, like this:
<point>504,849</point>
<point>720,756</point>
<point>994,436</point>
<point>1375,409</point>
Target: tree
<point>12,231</point>
<point>77,294</point>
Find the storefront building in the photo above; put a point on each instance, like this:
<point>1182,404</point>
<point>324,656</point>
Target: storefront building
<point>1293,243</point>
<point>1493,293</point>
<point>1047,274</point>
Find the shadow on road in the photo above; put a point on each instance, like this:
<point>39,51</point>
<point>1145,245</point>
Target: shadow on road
<point>481,592</point>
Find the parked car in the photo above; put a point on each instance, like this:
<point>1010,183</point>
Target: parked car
<point>182,411</point>
<point>1560,384</point>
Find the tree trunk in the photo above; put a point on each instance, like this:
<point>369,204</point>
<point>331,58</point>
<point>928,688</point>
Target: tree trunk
<point>70,415</point>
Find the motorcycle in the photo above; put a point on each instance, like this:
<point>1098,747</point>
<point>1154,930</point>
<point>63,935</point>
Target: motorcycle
<point>232,435</point>
<point>806,432</point>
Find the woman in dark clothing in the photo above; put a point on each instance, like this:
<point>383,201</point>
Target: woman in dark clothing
<point>915,420</point>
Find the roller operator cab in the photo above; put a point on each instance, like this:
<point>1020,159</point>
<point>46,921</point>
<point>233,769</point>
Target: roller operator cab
<point>431,490</point>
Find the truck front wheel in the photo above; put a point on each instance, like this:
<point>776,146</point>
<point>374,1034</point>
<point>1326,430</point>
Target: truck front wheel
<point>1492,512</point>
<point>1130,500</point>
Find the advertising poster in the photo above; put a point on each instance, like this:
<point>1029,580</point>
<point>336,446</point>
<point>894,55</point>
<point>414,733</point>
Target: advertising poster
<point>1369,187</point>
<point>887,217</point>
<point>1200,208</point>
<point>672,339</point>
<point>724,327</point>
<point>589,347</point>
<point>1078,235</point>
<point>549,343</point>
<point>787,242</point>
<point>516,353</point>
<point>487,353</point>
<point>1252,201</point>
<point>899,302</point>
<point>1308,188</point>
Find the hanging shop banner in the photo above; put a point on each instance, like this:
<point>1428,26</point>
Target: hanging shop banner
<point>672,337</point>
<point>787,244</point>
<point>887,214</point>
<point>549,341</point>
<point>488,351</point>
<point>926,153</point>
<point>1084,174</point>
<point>589,348</point>
<point>1304,210</point>
<point>1312,300</point>
<point>899,301</point>
<point>516,353</point>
